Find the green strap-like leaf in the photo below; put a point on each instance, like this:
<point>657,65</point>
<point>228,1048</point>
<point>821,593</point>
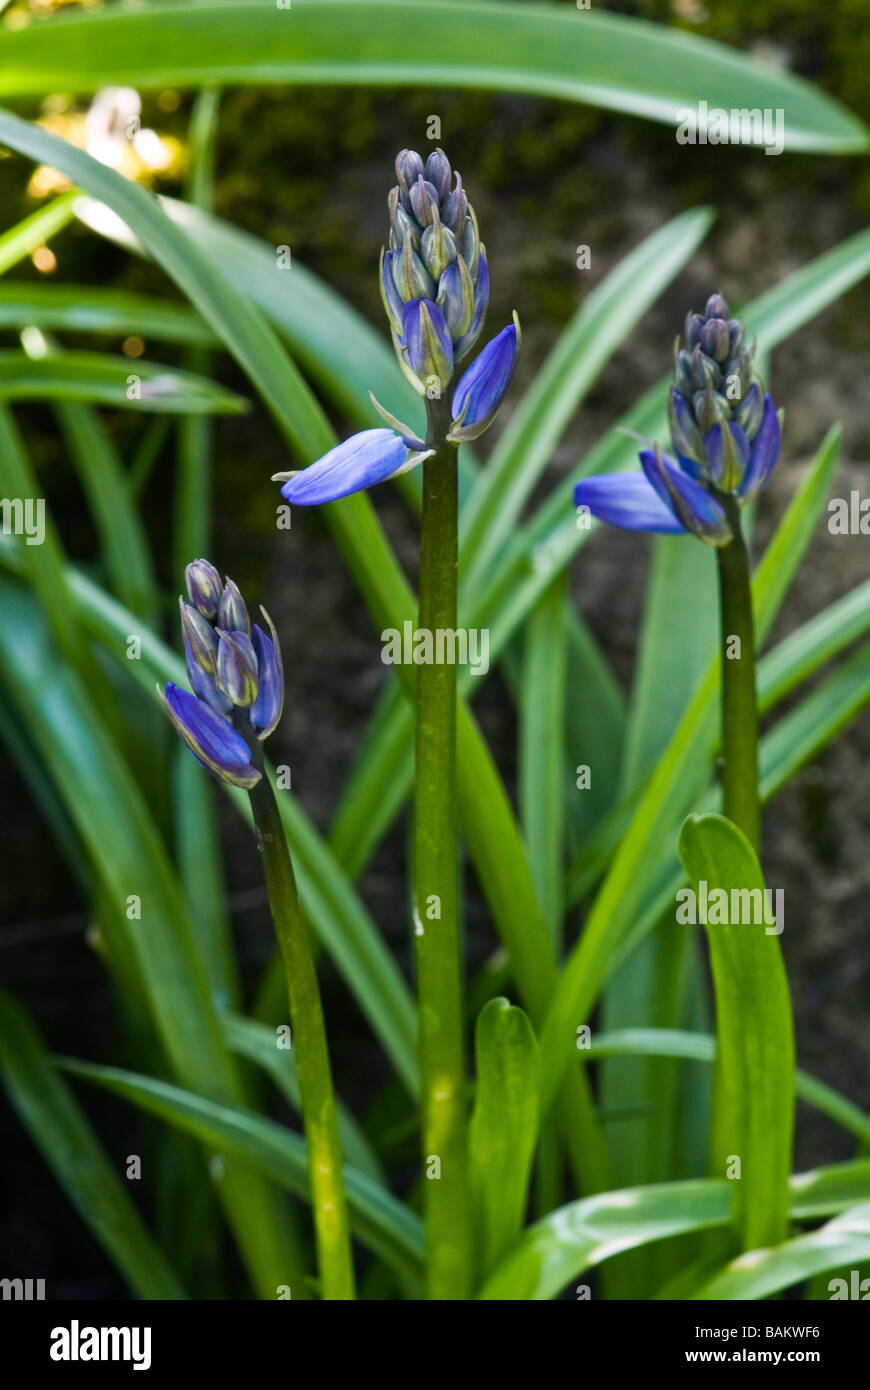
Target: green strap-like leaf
<point>753,1124</point>
<point>844,1241</point>
<point>48,1109</point>
<point>555,1251</point>
<point>503,1125</point>
<point>384,1224</point>
<point>547,50</point>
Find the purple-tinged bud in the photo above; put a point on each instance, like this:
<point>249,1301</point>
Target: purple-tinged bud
<point>392,300</point>
<point>683,381</point>
<point>439,173</point>
<point>471,247</point>
<point>763,454</point>
<point>481,303</point>
<point>199,637</point>
<point>736,336</point>
<point>232,613</point>
<point>204,684</point>
<point>204,587</point>
<point>428,345</point>
<point>424,201</point>
<point>717,308</point>
<point>749,411</point>
<point>685,434</point>
<point>401,222</point>
<point>704,370</point>
<point>692,330</point>
<point>714,339</point>
<point>210,737</point>
<point>454,212</point>
<point>237,667</point>
<point>266,710</point>
<point>456,299</point>
<point>409,168</point>
<point>482,387</point>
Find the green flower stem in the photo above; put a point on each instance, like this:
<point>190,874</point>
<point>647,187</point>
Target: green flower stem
<point>329,1205</point>
<point>740,800</point>
<point>439,986</point>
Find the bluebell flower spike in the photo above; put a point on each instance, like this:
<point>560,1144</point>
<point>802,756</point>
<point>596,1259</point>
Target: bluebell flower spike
<point>725,431</point>
<point>236,675</point>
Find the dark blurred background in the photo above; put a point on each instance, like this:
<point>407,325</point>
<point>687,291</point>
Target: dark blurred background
<point>311,169</point>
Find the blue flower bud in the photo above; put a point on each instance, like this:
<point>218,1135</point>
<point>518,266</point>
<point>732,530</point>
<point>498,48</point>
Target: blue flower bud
<point>210,737</point>
<point>437,248</point>
<point>411,277</point>
<point>482,387</point>
<point>456,299</point>
<point>199,637</point>
<point>454,211</point>
<point>204,683</point>
<point>409,168</point>
<point>237,667</point>
<point>232,614</point>
<point>439,173</point>
<point>727,451</point>
<point>481,304</point>
<point>204,587</point>
<point>716,307</point>
<point>424,202</point>
<point>763,455</point>
<point>266,710</point>
<point>714,340</point>
<point>392,300</point>
<point>428,345</point>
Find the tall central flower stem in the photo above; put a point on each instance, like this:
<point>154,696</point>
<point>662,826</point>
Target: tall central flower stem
<point>329,1204</point>
<point>740,801</point>
<point>439,987</point>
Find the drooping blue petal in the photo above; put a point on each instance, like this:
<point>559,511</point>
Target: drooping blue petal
<point>362,460</point>
<point>266,710</point>
<point>482,386</point>
<point>628,501</point>
<point>764,453</point>
<point>699,512</point>
<point>210,737</point>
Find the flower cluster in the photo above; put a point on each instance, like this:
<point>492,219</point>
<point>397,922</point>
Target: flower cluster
<point>435,289</point>
<point>236,674</point>
<point>725,432</point>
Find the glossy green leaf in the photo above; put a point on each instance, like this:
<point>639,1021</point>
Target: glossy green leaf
<point>758,1274</point>
<point>503,1125</point>
<point>546,50</point>
<point>49,1111</point>
<point>555,1251</point>
<point>754,1114</point>
<point>93,309</point>
<point>26,236</point>
<point>115,381</point>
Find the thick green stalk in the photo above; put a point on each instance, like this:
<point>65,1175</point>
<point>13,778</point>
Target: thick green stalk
<point>329,1205</point>
<point>439,974</point>
<point>740,800</point>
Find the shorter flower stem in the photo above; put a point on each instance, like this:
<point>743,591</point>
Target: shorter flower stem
<point>329,1204</point>
<point>439,978</point>
<point>740,801</point>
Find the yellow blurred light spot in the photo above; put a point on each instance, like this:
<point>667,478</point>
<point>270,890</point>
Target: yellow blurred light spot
<point>169,100</point>
<point>44,259</point>
<point>133,346</point>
